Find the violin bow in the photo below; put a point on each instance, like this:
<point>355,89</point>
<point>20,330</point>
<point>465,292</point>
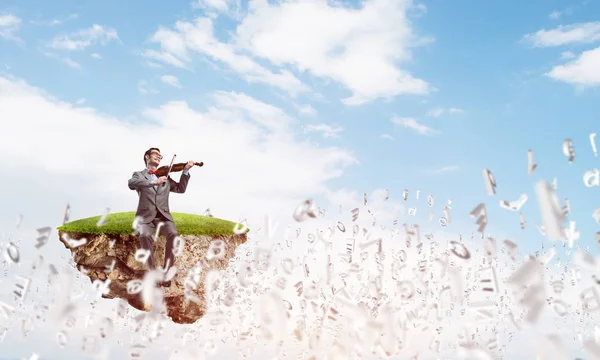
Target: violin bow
<point>171,166</point>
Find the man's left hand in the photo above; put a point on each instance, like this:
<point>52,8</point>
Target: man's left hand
<point>189,165</point>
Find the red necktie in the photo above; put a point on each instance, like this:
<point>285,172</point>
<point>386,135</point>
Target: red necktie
<point>152,172</point>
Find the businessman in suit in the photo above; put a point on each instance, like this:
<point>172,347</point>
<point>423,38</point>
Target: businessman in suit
<point>153,205</point>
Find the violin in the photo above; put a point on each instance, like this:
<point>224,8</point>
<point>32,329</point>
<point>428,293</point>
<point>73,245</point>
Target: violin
<point>164,170</point>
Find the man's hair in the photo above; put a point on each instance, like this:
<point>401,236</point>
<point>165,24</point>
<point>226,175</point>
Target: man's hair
<point>147,153</point>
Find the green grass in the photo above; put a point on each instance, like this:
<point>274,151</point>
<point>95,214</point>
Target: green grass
<point>121,224</point>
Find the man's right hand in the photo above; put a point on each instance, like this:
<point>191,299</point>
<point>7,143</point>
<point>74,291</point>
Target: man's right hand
<point>160,180</point>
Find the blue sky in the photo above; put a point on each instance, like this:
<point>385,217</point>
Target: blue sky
<point>494,89</point>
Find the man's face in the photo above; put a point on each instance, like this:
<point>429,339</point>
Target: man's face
<point>155,157</point>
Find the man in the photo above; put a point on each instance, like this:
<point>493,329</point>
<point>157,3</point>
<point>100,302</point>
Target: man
<point>153,205</point>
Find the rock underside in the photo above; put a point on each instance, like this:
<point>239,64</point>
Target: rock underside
<point>96,257</point>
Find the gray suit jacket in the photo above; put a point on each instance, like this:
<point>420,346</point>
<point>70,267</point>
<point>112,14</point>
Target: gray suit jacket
<point>152,201</point>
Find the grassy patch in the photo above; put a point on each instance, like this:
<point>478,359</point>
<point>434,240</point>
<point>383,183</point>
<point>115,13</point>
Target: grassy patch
<point>121,223</point>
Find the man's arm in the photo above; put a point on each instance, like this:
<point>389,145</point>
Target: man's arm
<point>179,187</point>
<point>138,182</point>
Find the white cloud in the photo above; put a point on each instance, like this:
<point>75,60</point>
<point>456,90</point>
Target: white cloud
<point>165,57</point>
<point>335,53</point>
<point>585,70</point>
<point>445,169</point>
<point>72,63</point>
<point>152,64</point>
<point>253,163</point>
<point>437,112</point>
<point>9,20</point>
<point>198,36</point>
<point>215,8</point>
<point>565,34</point>
<point>306,109</point>
<point>555,15</point>
<point>387,137</point>
<point>413,124</point>
<point>9,25</point>
<point>559,14</point>
<point>66,60</point>
<point>96,56</point>
<point>84,38</point>
<point>328,131</point>
<point>218,5</point>
<point>566,55</point>
<point>53,22</point>
<point>170,80</point>
<point>361,51</point>
<point>144,88</point>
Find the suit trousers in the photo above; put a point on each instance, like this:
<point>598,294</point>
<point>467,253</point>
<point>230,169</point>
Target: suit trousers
<point>167,229</point>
